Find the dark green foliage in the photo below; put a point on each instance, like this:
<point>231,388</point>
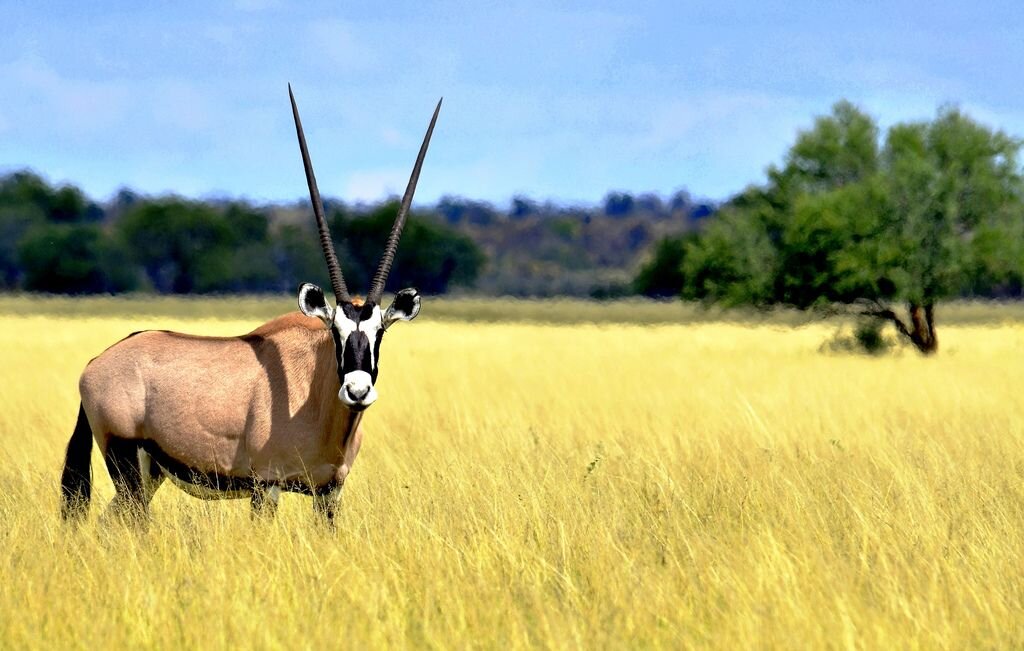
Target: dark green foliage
<point>72,259</point>
<point>56,240</point>
<point>65,204</point>
<point>662,275</point>
<point>183,246</point>
<point>431,258</point>
<point>298,258</point>
<point>733,261</point>
<point>16,220</point>
<point>618,204</point>
<point>456,210</point>
<point>870,338</point>
<point>841,148</point>
<point>532,248</point>
<point>523,207</point>
<point>27,203</point>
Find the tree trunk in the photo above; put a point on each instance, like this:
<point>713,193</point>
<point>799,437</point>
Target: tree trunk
<point>922,332</point>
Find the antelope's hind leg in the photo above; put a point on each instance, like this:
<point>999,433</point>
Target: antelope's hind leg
<point>136,478</point>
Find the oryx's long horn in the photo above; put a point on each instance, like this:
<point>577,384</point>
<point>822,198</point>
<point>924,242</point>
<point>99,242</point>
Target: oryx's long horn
<point>333,268</point>
<point>381,277</point>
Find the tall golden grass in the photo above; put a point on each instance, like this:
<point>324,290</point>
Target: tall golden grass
<point>710,485</point>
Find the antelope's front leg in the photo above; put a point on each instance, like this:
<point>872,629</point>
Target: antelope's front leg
<point>264,500</point>
<point>327,500</point>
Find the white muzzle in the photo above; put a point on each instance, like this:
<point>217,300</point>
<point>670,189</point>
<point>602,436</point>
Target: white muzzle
<point>357,390</point>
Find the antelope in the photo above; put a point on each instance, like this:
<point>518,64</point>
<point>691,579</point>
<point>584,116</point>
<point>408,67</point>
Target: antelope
<point>276,410</point>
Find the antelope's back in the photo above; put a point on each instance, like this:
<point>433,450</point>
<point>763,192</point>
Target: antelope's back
<point>197,397</point>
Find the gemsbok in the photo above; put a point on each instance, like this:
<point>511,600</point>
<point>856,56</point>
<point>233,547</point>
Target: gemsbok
<point>278,409</point>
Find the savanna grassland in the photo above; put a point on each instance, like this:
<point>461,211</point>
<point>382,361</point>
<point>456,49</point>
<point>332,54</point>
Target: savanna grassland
<point>567,480</point>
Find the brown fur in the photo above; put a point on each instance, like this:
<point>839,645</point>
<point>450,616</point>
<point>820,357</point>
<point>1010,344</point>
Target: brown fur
<point>263,404</point>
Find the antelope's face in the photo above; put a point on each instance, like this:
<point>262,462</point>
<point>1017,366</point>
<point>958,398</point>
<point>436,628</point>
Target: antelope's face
<point>358,330</point>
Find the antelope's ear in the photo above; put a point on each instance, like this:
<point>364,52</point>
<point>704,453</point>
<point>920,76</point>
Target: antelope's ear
<point>405,307</point>
<point>312,303</point>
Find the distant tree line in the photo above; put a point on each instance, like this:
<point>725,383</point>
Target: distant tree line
<point>616,205</point>
<point>547,249</point>
<point>854,223</point>
<point>55,239</point>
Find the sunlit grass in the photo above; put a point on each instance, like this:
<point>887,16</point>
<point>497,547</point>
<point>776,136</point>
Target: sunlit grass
<point>261,307</point>
<point>596,486</point>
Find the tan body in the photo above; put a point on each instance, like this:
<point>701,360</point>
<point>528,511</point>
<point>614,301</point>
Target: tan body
<point>263,405</point>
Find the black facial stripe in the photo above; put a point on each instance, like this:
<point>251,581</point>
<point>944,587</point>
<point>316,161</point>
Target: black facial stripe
<point>338,352</point>
<point>356,356</point>
<point>357,353</point>
<point>376,352</point>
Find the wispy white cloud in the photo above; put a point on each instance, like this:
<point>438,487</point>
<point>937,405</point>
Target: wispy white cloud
<point>373,185</point>
<point>337,43</point>
<point>548,99</point>
<point>65,104</point>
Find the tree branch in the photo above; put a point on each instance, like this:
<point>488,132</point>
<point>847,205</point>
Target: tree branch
<point>880,311</point>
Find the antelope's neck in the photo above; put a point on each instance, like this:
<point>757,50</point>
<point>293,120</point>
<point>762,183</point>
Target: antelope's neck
<point>339,423</point>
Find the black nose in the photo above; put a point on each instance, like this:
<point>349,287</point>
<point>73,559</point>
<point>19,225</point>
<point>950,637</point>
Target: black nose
<point>358,394</point>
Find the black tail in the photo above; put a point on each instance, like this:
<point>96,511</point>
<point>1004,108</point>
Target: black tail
<point>76,479</point>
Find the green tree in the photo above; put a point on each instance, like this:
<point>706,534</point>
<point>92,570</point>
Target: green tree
<point>26,202</point>
<point>883,232</point>
<point>431,256</point>
<point>183,246</point>
<point>662,275</point>
<point>841,148</point>
<point>64,204</point>
<point>73,259</point>
<point>16,219</point>
<point>251,262</point>
<point>298,258</point>
<point>734,261</point>
<point>949,187</point>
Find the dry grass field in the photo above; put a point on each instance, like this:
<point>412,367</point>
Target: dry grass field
<point>576,485</point>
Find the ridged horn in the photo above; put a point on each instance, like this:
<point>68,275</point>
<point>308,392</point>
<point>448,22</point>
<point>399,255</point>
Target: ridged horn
<point>391,247</point>
<point>333,268</point>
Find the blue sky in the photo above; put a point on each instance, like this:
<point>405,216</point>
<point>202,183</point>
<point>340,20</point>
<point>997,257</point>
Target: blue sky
<point>554,100</point>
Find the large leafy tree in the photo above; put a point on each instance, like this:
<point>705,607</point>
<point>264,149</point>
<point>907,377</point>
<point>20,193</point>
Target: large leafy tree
<point>883,231</point>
